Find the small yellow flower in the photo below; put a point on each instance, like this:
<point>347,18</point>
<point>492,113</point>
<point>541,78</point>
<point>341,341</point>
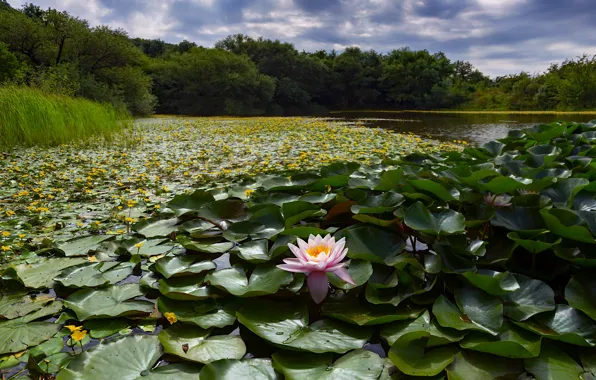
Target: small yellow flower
<point>248,192</point>
<point>92,259</point>
<point>77,336</point>
<point>5,233</point>
<point>5,248</point>
<point>157,207</point>
<point>22,235</point>
<point>139,245</point>
<point>171,317</point>
<point>73,328</point>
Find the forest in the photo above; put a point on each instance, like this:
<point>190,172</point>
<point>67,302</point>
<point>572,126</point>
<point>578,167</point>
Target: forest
<point>61,54</point>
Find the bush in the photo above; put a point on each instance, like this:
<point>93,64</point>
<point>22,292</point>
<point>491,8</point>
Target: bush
<point>31,117</point>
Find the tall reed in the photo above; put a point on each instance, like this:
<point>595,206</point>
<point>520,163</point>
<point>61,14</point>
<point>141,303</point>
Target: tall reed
<point>30,117</point>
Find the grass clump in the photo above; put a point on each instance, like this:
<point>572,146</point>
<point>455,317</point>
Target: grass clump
<point>31,117</point>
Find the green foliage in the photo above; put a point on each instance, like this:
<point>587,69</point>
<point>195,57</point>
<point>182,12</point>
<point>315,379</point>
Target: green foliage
<point>446,274</point>
<point>9,65</point>
<point>211,82</point>
<point>30,117</point>
<point>65,56</point>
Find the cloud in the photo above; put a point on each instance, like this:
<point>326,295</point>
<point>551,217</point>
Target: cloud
<point>497,36</point>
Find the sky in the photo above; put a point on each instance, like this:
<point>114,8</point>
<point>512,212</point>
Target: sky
<point>499,37</point>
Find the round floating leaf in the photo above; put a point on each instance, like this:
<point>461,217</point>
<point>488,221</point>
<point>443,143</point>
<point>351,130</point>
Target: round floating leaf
<point>410,356</point>
<point>358,364</point>
<point>439,336</point>
<point>194,344</point>
<point>512,342</point>
<point>230,369</point>
<point>581,293</point>
<point>534,246</point>
<point>553,364</point>
<point>304,232</point>
<point>254,251</point>
<point>352,310</point>
<point>82,245</point>
<point>185,203</point>
<point>205,247</point>
<point>233,210</point>
<point>372,243</point>
<point>449,315</point>
<point>178,371</point>
<point>359,270</point>
<point>436,189</point>
<point>378,204</point>
<point>566,324</point>
<point>563,191</point>
<point>156,227</point>
<point>187,288</point>
<point>20,304</point>
<point>286,325</point>
<point>567,224</point>
<point>494,283</point>
<point>206,314</point>
<point>294,212</point>
<point>17,335</point>
<point>103,328</point>
<point>129,358</point>
<point>483,310</point>
<point>533,297</point>
<point>265,279</point>
<point>476,366</point>
<point>41,273</point>
<point>95,274</point>
<point>184,265</point>
<point>419,218</point>
<point>112,301</point>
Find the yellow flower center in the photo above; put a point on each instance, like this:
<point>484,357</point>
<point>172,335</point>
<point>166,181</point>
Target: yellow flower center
<point>315,251</point>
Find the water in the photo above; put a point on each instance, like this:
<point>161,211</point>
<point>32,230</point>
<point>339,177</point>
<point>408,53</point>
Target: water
<point>474,128</point>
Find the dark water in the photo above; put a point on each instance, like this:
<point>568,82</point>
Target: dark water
<point>474,128</point>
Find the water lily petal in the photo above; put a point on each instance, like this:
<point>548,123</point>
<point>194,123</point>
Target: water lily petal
<point>298,253</point>
<point>302,244</point>
<point>296,268</point>
<point>318,285</point>
<point>344,275</point>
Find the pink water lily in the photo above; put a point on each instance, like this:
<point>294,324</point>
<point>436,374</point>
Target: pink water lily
<point>315,259</point>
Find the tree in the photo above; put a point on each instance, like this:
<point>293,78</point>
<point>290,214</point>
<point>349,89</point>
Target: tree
<point>9,65</point>
<point>210,82</point>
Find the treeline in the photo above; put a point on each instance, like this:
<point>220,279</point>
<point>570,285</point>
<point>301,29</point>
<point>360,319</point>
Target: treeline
<point>58,53</point>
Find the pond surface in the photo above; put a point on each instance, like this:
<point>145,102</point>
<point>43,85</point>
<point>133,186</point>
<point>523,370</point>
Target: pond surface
<point>474,128</point>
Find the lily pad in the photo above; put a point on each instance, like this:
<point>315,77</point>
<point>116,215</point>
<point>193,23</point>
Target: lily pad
<point>112,301</point>
<point>286,325</point>
<point>265,279</point>
<point>419,218</point>
<point>194,344</point>
<point>95,274</point>
<point>372,243</point>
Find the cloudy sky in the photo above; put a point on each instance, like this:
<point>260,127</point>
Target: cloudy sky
<point>497,36</point>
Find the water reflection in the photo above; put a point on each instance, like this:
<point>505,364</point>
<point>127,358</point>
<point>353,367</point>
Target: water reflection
<point>474,128</point>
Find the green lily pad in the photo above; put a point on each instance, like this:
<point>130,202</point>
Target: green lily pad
<point>552,364</point>
<point>20,304</point>
<point>436,189</point>
<point>112,301</point>
<point>419,218</point>
<point>372,243</point>
<point>378,204</point>
<point>410,355</point>
<point>511,342</point>
<point>156,227</point>
<point>294,212</point>
<point>230,369</point>
<point>359,270</point>
<point>95,274</point>
<point>103,328</point>
<point>567,224</point>
<point>187,288</point>
<point>581,293</point>
<point>358,364</point>
<point>185,203</point>
<point>476,366</point>
<point>254,251</point>
<point>566,324</point>
<point>439,336</point>
<point>81,246</point>
<point>286,324</point>
<point>41,273</point>
<point>205,247</point>
<point>128,358</point>
<point>351,310</point>
<point>265,279</point>
<point>478,312</point>
<point>184,265</point>
<point>206,314</point>
<point>194,344</point>
<point>533,297</point>
<point>492,282</point>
